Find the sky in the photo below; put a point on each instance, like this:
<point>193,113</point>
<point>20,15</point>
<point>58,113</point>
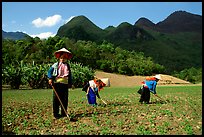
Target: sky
<point>43,19</point>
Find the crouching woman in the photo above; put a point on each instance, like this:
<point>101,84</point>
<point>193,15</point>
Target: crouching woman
<point>94,86</point>
<point>149,86</point>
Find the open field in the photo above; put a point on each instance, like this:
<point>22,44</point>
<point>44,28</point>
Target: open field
<point>29,112</point>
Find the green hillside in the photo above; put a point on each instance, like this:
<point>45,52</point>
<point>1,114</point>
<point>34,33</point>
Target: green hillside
<point>81,28</point>
<point>174,51</point>
<point>173,47</point>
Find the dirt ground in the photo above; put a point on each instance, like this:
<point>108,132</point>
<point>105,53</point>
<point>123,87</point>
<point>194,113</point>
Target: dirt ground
<point>117,80</point>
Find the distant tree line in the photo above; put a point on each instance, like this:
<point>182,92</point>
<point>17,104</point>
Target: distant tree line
<point>104,56</point>
<point>86,54</point>
<point>192,75</point>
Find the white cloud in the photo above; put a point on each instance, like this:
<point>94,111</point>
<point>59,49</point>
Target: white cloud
<point>48,22</point>
<point>69,19</point>
<point>44,35</point>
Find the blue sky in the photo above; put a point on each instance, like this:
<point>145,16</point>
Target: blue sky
<point>43,19</point>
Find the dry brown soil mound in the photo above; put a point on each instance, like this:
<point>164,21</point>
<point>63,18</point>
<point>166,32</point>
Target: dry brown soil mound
<point>117,80</point>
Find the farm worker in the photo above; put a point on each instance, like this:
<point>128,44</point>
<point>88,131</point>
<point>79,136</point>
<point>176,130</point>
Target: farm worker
<point>92,90</point>
<point>60,77</point>
<point>149,85</point>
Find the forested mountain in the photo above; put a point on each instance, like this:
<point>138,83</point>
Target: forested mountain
<point>145,23</point>
<point>179,21</point>
<point>175,42</point>
<point>14,35</point>
<point>81,28</point>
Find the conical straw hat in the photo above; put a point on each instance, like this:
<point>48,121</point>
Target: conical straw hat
<point>68,54</point>
<point>158,77</point>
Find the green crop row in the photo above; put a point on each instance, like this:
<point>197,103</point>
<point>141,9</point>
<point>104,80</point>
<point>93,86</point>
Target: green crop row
<point>35,75</point>
<point>29,112</point>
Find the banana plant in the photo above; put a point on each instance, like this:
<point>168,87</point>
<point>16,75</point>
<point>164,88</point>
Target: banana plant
<point>12,74</point>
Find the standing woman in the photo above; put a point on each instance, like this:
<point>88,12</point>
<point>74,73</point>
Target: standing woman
<point>149,86</point>
<point>60,77</point>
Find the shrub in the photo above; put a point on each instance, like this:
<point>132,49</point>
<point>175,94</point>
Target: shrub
<point>35,75</point>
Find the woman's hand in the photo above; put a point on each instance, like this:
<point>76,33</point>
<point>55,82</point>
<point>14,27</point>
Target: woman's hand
<point>50,81</point>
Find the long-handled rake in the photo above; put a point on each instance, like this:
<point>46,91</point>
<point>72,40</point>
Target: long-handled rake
<point>60,102</point>
<point>100,98</point>
<point>103,101</point>
<point>161,99</point>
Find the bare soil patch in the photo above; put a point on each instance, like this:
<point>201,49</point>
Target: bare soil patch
<point>117,80</point>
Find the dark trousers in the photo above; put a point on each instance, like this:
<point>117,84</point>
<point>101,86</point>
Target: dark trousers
<point>62,91</point>
<point>145,95</point>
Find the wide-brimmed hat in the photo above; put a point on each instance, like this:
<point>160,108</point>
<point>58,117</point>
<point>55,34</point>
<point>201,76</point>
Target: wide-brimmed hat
<point>158,76</point>
<point>68,54</point>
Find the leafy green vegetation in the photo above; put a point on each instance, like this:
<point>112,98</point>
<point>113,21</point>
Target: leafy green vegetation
<point>27,61</point>
<point>106,56</point>
<point>192,74</point>
<point>35,75</point>
<point>29,112</point>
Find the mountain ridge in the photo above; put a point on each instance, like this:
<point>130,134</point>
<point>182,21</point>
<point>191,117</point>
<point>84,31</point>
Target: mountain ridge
<point>175,40</point>
<point>14,35</point>
<point>178,38</point>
